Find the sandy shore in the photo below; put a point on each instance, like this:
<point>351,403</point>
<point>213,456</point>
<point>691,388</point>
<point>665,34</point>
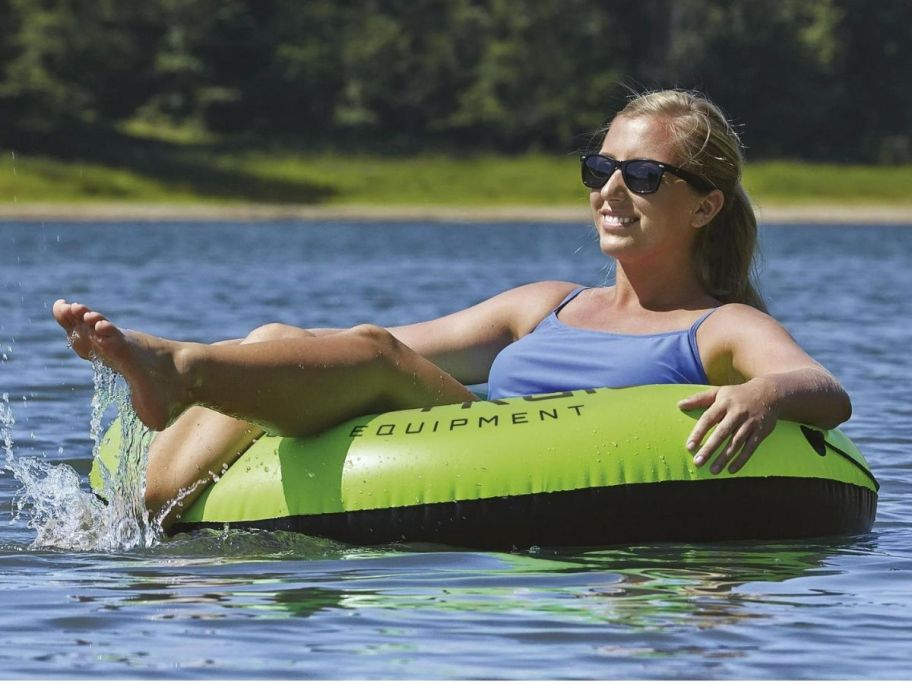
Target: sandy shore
<point>112,212</point>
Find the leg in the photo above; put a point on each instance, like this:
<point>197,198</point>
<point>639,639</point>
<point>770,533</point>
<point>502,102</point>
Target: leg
<point>290,386</point>
<point>188,455</point>
<point>184,457</point>
<point>200,444</point>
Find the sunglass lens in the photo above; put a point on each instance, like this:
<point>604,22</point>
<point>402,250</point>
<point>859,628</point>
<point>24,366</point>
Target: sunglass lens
<point>642,176</point>
<point>597,170</point>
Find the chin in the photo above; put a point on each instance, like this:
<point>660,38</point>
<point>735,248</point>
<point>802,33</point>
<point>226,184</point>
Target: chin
<point>615,245</point>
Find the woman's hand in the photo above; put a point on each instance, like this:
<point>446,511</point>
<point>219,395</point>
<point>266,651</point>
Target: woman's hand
<point>741,414</point>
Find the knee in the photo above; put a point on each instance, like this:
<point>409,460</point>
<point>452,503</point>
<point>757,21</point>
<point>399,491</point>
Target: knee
<point>275,331</point>
<point>156,498</point>
<point>165,500</point>
<point>381,341</point>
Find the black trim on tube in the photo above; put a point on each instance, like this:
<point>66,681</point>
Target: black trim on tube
<point>700,511</point>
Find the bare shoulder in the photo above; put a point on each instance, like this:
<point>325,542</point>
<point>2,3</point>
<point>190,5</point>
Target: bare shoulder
<point>742,320</point>
<point>496,320</point>
<point>739,341</point>
<point>544,290</point>
<point>530,303</point>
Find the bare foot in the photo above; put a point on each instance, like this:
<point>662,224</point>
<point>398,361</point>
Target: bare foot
<point>149,364</point>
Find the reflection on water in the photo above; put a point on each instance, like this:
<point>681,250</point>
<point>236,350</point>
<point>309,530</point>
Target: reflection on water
<point>651,587</point>
<point>697,586</point>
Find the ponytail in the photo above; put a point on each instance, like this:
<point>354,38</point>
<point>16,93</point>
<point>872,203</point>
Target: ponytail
<point>724,252</point>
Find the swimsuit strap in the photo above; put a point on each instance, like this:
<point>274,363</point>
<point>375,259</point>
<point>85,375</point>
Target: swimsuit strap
<point>699,321</point>
<point>569,298</point>
<point>692,341</point>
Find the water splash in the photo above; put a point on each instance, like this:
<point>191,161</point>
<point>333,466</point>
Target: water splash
<point>54,505</point>
<point>6,427</point>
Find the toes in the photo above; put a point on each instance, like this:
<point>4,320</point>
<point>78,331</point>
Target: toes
<point>70,314</point>
<point>78,311</point>
<point>92,318</point>
<point>60,309</point>
<point>84,326</point>
<point>104,327</point>
<point>63,313</point>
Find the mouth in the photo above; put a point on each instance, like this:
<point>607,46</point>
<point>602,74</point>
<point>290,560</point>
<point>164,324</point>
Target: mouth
<point>613,221</point>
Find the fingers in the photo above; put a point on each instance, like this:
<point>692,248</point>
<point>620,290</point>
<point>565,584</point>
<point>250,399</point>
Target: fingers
<point>740,448</point>
<point>715,440</point>
<point>702,399</point>
<point>732,427</point>
<point>747,451</point>
<point>706,422</point>
<point>742,437</point>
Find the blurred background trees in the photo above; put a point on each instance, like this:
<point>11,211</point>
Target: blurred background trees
<point>811,79</point>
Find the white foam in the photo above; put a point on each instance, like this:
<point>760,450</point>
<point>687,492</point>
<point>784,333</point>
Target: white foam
<point>52,501</point>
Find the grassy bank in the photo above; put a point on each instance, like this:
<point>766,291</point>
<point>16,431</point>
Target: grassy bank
<point>201,176</point>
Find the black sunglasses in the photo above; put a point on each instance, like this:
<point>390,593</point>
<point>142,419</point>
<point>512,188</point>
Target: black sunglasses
<point>642,176</point>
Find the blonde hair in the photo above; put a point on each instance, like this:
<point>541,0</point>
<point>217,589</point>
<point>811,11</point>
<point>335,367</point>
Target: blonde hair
<point>724,250</point>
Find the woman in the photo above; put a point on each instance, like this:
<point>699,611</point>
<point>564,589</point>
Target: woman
<point>668,206</point>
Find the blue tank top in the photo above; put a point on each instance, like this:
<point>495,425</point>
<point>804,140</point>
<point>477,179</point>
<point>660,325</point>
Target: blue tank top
<point>556,357</point>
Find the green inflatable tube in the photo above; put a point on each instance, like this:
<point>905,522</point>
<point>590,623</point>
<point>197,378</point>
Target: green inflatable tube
<point>583,468</point>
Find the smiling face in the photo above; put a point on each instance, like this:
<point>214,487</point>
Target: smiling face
<point>632,226</point>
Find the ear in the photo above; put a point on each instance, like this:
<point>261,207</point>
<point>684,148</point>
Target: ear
<point>707,208</point>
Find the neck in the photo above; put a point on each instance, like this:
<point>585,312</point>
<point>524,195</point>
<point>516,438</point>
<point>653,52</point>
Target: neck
<point>649,286</point>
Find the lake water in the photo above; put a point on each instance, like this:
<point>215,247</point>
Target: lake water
<point>232,604</point>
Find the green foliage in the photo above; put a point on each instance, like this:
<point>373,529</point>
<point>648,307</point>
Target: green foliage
<point>760,56</point>
<point>72,60</point>
<point>839,184</point>
<point>219,176</point>
<point>813,79</point>
<point>818,80</point>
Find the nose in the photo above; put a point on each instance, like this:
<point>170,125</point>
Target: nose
<point>614,187</point>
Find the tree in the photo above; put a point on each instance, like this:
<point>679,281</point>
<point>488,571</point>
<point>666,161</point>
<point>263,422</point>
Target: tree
<point>872,114</point>
<point>77,60</point>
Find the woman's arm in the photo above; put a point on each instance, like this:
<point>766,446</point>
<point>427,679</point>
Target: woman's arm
<point>465,343</point>
<point>764,376</point>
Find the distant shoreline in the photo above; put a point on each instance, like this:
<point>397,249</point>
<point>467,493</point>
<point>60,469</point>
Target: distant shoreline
<point>117,212</point>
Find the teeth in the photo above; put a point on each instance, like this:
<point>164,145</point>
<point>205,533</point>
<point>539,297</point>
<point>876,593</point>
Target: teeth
<point>617,220</point>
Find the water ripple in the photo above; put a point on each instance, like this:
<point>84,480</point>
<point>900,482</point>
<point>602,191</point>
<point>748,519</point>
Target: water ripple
<point>243,605</point>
